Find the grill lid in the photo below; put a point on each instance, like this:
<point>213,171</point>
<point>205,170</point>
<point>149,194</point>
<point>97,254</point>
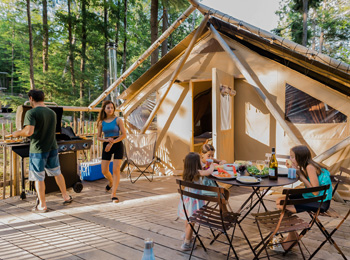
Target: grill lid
<point>21,111</point>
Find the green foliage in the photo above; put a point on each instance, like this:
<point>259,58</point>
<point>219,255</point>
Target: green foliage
<point>12,101</point>
<point>329,19</point>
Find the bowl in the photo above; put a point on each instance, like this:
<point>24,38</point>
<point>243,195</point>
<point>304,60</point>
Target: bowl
<point>229,166</point>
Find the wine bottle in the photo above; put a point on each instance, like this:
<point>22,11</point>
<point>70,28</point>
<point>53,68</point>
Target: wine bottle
<point>273,166</point>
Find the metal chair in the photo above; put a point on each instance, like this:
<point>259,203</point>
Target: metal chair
<point>336,179</point>
<point>140,152</point>
<point>214,215</point>
<point>283,221</point>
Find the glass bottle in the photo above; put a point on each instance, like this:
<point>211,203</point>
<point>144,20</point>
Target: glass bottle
<point>273,166</point>
<point>148,251</point>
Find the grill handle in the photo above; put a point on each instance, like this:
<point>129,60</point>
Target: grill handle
<point>46,103</point>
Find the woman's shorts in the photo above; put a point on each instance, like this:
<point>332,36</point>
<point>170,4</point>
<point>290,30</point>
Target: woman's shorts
<point>312,206</point>
<point>117,151</point>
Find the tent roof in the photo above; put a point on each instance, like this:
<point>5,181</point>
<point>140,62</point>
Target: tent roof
<point>307,63</point>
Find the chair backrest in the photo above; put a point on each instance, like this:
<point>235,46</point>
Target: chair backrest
<point>291,200</point>
<point>281,158</point>
<point>194,191</point>
<point>140,148</point>
<point>340,178</point>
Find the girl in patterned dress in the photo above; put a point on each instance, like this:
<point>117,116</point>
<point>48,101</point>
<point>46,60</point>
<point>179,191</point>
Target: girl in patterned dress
<point>192,173</point>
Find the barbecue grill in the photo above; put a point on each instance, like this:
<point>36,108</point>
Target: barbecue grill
<point>68,145</point>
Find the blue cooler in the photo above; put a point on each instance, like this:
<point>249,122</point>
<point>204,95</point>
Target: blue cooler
<point>91,171</point>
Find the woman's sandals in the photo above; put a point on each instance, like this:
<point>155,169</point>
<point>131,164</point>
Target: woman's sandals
<point>108,188</point>
<point>115,200</point>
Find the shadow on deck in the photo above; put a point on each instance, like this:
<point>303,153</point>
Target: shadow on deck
<point>94,228</point>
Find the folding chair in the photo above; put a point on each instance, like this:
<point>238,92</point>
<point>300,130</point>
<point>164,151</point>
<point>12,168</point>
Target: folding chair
<point>140,150</point>
<point>336,179</point>
<point>214,215</point>
<point>283,221</point>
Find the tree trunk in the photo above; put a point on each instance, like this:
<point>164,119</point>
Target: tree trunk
<point>45,40</point>
<point>83,51</point>
<point>12,59</point>
<point>313,40</point>
<point>117,26</point>
<point>322,30</point>
<point>31,68</point>
<point>305,11</point>
<point>154,29</point>
<point>105,83</point>
<point>71,50</point>
<point>125,34</point>
<point>165,26</point>
<point>321,40</point>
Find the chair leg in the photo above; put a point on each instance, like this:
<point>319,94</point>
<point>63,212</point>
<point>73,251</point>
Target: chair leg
<point>246,238</point>
<point>197,236</point>
<point>328,238</point>
<point>230,242</point>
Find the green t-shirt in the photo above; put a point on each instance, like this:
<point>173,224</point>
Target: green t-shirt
<point>44,137</point>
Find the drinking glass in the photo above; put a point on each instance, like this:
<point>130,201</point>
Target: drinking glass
<point>260,164</point>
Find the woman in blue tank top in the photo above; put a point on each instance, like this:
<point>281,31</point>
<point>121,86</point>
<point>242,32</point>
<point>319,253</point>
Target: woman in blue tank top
<point>312,175</point>
<point>113,130</point>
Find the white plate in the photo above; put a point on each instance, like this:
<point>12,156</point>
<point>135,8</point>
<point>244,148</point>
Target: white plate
<point>224,178</point>
<point>248,179</point>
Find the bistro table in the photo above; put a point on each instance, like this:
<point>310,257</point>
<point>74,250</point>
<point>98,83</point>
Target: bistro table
<point>259,189</point>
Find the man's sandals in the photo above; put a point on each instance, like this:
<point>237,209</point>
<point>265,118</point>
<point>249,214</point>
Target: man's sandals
<point>69,201</point>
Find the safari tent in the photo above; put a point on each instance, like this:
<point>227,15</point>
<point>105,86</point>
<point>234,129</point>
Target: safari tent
<point>246,89</point>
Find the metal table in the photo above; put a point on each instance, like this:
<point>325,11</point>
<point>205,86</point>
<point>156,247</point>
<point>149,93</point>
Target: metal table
<point>259,190</point>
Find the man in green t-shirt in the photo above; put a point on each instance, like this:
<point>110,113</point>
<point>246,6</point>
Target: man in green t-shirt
<point>40,125</point>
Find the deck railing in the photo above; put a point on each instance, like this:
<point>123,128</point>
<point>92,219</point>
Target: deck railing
<point>10,177</point>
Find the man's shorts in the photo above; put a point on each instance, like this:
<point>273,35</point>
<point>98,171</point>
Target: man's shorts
<point>41,162</point>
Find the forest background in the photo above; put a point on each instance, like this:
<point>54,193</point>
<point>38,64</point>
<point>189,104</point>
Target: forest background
<point>61,46</point>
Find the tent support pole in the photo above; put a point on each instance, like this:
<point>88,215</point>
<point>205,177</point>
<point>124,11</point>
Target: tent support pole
<point>144,56</point>
<point>176,72</point>
<point>326,154</point>
<point>276,39</point>
<point>255,82</point>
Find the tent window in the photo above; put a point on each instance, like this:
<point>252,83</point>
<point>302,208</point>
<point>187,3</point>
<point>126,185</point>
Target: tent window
<point>138,117</point>
<point>302,108</point>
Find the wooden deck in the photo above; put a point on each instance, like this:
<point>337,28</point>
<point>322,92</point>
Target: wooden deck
<point>94,228</point>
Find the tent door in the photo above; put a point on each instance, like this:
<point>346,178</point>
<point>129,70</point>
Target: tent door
<point>201,112</point>
<point>222,115</point>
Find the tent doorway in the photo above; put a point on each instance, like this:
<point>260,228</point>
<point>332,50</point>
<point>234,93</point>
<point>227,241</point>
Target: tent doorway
<point>201,113</point>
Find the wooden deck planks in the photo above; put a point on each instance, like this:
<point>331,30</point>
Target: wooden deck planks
<point>94,228</point>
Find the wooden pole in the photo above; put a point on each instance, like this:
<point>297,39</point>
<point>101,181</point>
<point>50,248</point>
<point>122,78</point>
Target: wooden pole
<point>144,56</point>
<point>252,79</point>
<point>176,72</point>
<point>328,153</point>
<point>275,38</point>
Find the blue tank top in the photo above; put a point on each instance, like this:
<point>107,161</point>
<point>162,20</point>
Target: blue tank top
<point>110,129</point>
<point>323,179</point>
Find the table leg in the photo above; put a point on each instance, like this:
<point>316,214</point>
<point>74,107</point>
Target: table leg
<point>260,199</point>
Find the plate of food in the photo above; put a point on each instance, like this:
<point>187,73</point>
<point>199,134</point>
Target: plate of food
<point>254,171</point>
<point>223,174</point>
<point>248,179</point>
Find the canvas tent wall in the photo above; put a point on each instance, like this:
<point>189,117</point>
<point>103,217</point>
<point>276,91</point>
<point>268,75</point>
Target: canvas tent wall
<point>255,130</point>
